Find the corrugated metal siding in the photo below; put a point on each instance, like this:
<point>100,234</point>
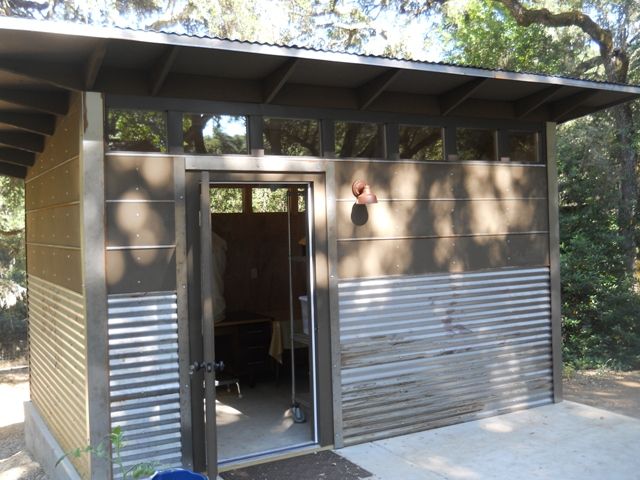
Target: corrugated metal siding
<point>424,351</point>
<point>58,364</point>
<point>144,378</point>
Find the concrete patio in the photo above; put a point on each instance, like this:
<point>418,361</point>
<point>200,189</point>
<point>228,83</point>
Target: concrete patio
<point>565,441</point>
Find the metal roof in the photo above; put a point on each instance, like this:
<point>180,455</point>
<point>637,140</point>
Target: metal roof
<point>40,62</point>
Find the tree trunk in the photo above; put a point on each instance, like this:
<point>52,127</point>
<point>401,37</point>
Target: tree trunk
<point>628,185</point>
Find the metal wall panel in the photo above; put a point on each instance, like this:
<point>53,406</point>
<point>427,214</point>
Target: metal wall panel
<point>57,362</point>
<point>144,378</point>
<point>425,351</point>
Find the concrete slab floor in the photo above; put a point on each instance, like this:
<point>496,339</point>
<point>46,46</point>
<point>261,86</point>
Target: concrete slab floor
<point>564,441</point>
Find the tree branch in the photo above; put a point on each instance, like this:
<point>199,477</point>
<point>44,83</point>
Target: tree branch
<point>573,18</point>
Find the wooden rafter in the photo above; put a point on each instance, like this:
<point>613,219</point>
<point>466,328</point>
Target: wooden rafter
<point>56,103</point>
<point>64,75</point>
<point>452,99</point>
<point>13,170</point>
<point>273,83</point>
<point>17,157</point>
<point>30,142</point>
<point>94,64</point>
<point>41,123</point>
<point>565,106</point>
<point>528,104</point>
<point>161,69</point>
<point>371,90</point>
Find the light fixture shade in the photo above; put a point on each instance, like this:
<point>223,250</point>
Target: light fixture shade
<point>362,191</point>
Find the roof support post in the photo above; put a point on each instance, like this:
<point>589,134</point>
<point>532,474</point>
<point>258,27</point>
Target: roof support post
<point>92,214</point>
<point>94,64</point>
<point>38,123</point>
<point>48,102</point>
<point>554,260</point>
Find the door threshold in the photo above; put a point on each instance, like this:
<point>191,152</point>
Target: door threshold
<point>270,456</point>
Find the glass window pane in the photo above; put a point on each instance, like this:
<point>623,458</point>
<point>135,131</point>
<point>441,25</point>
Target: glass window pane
<point>358,140</point>
<point>291,137</point>
<point>225,200</point>
<point>269,200</point>
<point>136,131</point>
<point>420,143</point>
<point>215,134</point>
<point>302,200</point>
<point>523,147</point>
<point>475,144</point>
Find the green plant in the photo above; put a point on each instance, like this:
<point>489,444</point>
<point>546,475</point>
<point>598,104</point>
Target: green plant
<point>116,439</point>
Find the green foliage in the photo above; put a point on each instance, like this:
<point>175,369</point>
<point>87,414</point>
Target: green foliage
<point>137,130</point>
<point>116,439</point>
<point>599,303</point>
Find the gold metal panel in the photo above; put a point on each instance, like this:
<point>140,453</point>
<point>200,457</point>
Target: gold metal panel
<point>60,266</point>
<point>61,185</point>
<point>413,180</point>
<point>140,223</point>
<point>375,258</point>
<point>412,218</point>
<point>141,270</point>
<point>55,226</point>
<point>132,177</point>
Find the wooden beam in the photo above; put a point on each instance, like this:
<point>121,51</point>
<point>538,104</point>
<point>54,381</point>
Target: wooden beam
<point>13,170</point>
<point>41,123</point>
<point>581,111</point>
<point>455,97</point>
<point>526,105</point>
<point>565,106</point>
<point>17,157</point>
<point>63,75</point>
<point>274,82</point>
<point>48,102</point>
<point>23,141</point>
<point>160,70</point>
<point>371,90</point>
<point>93,64</point>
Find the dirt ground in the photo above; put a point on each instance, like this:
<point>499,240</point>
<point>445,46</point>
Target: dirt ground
<point>614,391</point>
<point>15,462</point>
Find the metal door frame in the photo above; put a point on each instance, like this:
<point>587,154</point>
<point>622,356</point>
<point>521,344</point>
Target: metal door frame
<point>325,261</point>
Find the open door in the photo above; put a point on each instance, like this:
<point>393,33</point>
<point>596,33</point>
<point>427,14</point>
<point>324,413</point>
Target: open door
<point>208,363</point>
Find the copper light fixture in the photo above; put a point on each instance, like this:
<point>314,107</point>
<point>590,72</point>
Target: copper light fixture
<point>362,191</point>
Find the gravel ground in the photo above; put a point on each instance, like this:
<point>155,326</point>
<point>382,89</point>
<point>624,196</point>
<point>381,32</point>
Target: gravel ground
<point>614,391</point>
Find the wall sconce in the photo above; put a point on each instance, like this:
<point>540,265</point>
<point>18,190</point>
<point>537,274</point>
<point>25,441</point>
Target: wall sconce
<point>362,191</point>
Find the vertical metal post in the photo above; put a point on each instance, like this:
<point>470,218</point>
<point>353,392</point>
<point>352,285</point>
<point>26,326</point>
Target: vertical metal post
<point>392,139</point>
<point>92,211</point>
<point>206,282</point>
<point>554,260</point>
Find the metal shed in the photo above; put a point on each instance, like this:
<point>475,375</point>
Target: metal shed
<point>436,305</point>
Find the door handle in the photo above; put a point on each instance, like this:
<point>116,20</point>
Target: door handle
<point>208,366</point>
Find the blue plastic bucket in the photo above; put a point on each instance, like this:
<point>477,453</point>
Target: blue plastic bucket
<point>177,474</point>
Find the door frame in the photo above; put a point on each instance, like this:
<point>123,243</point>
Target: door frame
<point>319,173</point>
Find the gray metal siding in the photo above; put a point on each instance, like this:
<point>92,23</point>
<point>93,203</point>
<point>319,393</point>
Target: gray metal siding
<point>144,377</point>
<point>424,351</point>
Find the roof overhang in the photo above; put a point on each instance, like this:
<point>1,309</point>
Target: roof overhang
<point>41,62</point>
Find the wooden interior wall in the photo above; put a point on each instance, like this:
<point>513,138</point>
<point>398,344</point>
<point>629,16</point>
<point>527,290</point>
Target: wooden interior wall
<point>56,305</point>
<point>439,217</point>
<point>258,241</point>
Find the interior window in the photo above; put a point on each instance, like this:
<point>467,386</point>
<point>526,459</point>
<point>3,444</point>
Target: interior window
<point>226,200</point>
<point>420,143</point>
<point>476,144</point>
<point>291,137</point>
<point>269,200</point>
<point>523,147</point>
<point>214,134</point>
<point>359,140</point>
<point>136,130</point>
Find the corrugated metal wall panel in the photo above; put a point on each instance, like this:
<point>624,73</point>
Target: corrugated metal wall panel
<point>424,351</point>
<point>57,362</point>
<point>144,378</point>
